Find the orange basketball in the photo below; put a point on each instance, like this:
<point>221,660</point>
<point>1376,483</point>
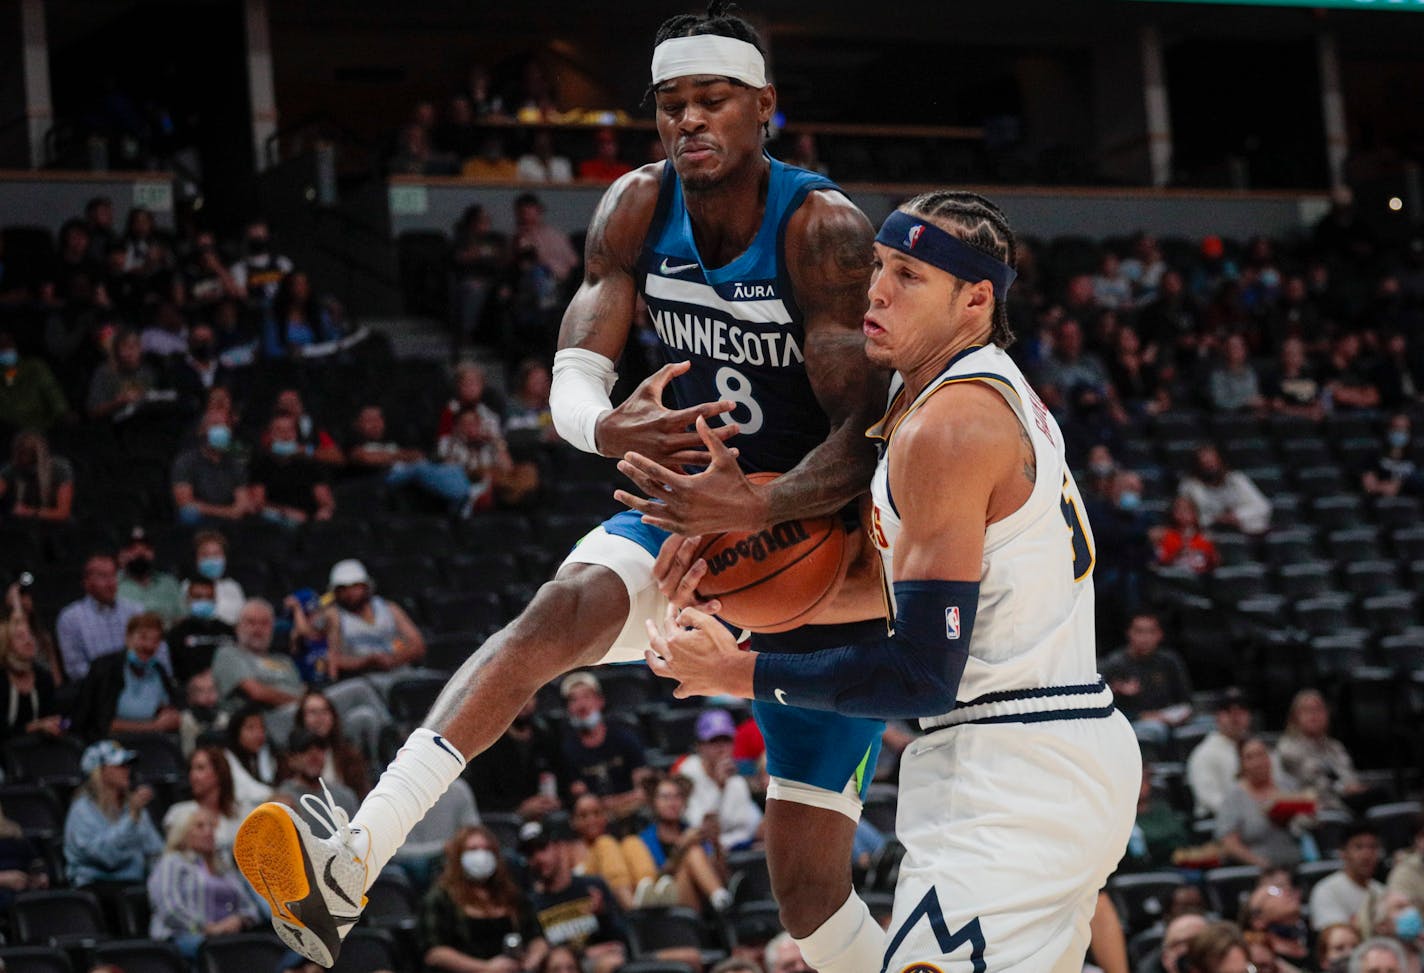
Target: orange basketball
<point>775,579</point>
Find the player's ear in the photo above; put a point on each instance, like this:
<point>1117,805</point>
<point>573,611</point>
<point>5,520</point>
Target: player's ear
<point>766,103</point>
<point>980,294</point>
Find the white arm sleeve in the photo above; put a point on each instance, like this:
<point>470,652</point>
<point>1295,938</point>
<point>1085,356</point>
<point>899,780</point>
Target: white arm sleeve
<point>578,396</point>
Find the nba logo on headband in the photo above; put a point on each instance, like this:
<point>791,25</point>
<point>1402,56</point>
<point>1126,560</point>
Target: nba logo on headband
<point>913,237</point>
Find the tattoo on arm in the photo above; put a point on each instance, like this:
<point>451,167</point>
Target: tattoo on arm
<point>831,265</point>
<point>1030,463</point>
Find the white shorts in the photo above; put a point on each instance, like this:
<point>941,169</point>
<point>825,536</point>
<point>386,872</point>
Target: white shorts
<point>634,565</point>
<point>1010,830</point>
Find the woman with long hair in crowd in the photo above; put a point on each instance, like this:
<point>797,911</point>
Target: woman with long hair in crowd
<point>297,320</point>
<point>194,891</point>
<point>1219,948</point>
<point>210,780</point>
<point>250,761</point>
<point>344,760</point>
<point>624,865</point>
<point>1247,826</point>
<point>27,693</point>
<point>1313,757</point>
<point>690,856</point>
<point>475,909</point>
<point>37,485</point>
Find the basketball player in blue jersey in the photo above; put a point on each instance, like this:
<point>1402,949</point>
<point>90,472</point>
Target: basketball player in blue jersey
<point>1016,804</point>
<point>755,275</point>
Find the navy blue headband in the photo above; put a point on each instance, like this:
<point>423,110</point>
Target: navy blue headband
<point>917,237</point>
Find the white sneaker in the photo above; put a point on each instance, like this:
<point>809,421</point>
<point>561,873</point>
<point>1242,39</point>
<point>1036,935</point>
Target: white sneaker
<point>314,886</point>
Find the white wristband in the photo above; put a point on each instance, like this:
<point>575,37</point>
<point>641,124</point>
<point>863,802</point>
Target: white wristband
<point>578,395</point>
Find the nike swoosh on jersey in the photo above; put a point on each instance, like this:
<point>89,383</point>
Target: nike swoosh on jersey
<point>780,696</point>
<point>332,884</point>
<point>675,269</point>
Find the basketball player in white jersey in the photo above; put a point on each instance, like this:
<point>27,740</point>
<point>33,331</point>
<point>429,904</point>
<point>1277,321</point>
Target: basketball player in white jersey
<point>1016,804</point>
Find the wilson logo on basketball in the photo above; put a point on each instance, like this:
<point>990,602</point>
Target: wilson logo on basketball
<point>758,546</point>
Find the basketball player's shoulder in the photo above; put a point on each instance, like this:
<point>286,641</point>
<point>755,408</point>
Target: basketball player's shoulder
<point>624,215</point>
<point>828,242</point>
<point>963,424</point>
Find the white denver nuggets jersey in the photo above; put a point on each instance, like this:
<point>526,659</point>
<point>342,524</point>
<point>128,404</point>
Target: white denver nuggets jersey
<point>1033,629</point>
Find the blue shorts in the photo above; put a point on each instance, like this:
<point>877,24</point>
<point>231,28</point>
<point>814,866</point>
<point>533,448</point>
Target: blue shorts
<point>815,747</point>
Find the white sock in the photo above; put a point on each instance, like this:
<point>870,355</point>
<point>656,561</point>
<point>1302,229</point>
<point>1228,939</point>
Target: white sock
<point>423,770</point>
<point>850,941</point>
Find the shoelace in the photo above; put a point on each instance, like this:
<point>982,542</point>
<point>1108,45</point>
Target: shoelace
<point>328,813</point>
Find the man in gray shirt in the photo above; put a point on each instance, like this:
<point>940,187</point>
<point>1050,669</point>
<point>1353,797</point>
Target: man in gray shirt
<point>210,480</point>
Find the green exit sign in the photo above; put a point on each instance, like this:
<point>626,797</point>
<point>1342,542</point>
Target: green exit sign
<point>1415,5</point>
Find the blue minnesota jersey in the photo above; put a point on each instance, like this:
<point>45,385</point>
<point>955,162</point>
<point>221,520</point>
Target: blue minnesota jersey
<point>738,325</point>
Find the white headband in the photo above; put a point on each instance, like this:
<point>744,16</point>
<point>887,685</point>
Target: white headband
<point>680,57</point>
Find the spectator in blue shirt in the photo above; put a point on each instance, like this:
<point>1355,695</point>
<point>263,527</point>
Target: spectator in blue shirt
<point>95,625</point>
<point>129,692</point>
<point>296,320</point>
<point>109,838</point>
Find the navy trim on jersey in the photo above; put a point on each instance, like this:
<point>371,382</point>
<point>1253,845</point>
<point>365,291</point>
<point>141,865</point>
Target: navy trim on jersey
<point>1048,717</point>
<point>1044,692</point>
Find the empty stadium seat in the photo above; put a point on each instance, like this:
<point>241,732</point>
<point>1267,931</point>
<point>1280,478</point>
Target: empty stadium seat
<point>1396,823</point>
<point>1368,578</point>
<point>240,953</point>
<point>57,917</point>
<point>142,956</point>
<point>35,959</point>
<point>1227,887</point>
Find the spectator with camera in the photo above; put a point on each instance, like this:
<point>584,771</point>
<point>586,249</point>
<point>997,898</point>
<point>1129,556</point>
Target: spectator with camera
<point>109,838</point>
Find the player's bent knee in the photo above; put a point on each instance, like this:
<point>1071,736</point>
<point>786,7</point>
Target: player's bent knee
<point>572,618</point>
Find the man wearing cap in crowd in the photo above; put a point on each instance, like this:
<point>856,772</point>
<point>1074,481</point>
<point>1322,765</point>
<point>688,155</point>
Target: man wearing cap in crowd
<point>598,758</point>
<point>573,910</point>
<point>1212,767</point>
<point>366,634</point>
<point>718,791</point>
<point>109,838</point>
<point>141,582</point>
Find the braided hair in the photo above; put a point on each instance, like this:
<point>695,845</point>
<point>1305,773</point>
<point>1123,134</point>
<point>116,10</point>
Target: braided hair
<point>719,20</point>
<point>982,225</point>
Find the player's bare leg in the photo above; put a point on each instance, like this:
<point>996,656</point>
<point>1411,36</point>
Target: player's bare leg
<point>819,907</point>
<point>316,886</point>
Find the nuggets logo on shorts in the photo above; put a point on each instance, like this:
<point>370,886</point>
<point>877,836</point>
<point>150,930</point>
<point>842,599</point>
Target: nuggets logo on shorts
<point>922,968</point>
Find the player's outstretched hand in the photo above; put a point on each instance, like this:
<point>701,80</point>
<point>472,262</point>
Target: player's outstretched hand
<point>698,652</point>
<point>719,498</point>
<point>677,574</point>
<point>641,421</point>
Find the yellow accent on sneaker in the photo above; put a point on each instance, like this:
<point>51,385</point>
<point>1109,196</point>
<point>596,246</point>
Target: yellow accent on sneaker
<point>268,851</point>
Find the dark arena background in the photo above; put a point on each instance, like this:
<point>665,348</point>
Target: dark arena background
<point>280,287</point>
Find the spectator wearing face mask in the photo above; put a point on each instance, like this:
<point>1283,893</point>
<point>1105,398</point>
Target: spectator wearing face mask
<point>30,396</point>
<point>260,271</point>
<point>129,691</point>
<point>1394,473</point>
<point>201,717</point>
<point>1120,533</point>
<point>198,370</point>
<point>289,486</point>
<point>210,557</point>
<point>475,919</point>
<point>598,757</point>
<point>141,582</point>
<point>210,479</point>
<point>194,640</point>
<point>1392,914</point>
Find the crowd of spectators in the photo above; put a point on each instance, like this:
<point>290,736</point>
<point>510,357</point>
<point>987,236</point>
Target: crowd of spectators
<point>1169,371</point>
